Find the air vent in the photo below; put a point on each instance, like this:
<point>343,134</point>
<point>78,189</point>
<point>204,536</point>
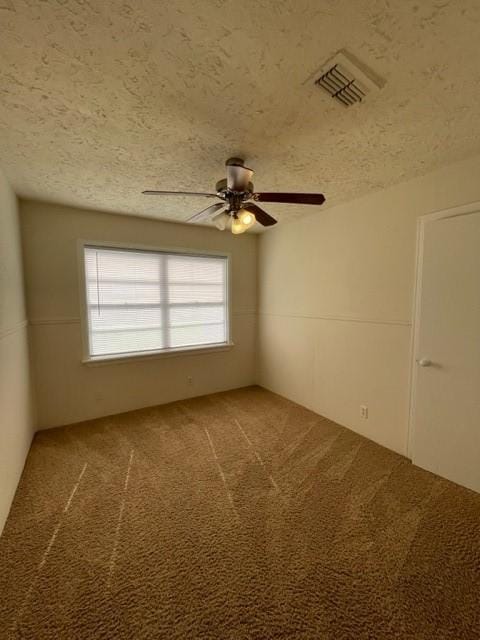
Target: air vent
<point>345,81</point>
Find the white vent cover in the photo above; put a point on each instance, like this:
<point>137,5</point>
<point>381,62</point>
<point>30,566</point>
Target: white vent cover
<point>345,81</point>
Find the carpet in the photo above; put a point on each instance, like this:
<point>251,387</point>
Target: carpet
<point>234,516</point>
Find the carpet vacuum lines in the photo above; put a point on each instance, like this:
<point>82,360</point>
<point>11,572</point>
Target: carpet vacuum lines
<point>220,472</point>
<point>113,555</point>
<point>258,457</point>
<point>46,553</point>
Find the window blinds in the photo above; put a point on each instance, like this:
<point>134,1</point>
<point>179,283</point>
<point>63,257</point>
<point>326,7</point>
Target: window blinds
<point>141,301</point>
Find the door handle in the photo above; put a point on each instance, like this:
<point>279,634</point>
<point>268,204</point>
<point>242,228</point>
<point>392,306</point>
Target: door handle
<point>424,362</point>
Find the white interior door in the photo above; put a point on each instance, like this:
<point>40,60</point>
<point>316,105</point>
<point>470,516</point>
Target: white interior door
<point>446,415</point>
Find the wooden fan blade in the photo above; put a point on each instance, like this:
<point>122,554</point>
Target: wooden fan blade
<point>290,198</point>
<point>179,193</point>
<point>238,177</point>
<point>205,213</point>
<point>261,216</point>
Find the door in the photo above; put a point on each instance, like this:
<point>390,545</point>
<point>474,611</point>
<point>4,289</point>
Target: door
<point>446,414</point>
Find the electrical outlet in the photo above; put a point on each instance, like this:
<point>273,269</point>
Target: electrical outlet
<point>364,411</point>
<point>189,380</point>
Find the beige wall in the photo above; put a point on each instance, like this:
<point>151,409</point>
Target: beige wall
<point>16,422</point>
<point>335,302</point>
<point>69,391</point>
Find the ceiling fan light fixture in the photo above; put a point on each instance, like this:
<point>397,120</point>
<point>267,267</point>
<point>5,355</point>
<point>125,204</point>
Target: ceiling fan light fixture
<point>238,226</point>
<point>221,220</point>
<point>247,218</point>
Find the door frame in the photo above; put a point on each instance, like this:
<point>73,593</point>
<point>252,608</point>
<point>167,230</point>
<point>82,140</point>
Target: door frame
<point>452,212</point>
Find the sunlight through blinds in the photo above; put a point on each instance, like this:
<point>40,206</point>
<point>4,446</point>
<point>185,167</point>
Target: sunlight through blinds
<point>140,301</point>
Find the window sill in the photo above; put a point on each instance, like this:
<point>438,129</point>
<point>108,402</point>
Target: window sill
<point>94,361</point>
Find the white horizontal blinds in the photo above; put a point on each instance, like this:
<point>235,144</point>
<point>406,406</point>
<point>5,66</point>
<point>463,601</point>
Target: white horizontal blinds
<point>197,300</point>
<point>148,301</point>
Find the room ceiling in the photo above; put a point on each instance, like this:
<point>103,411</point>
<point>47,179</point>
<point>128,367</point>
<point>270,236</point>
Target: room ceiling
<point>101,99</point>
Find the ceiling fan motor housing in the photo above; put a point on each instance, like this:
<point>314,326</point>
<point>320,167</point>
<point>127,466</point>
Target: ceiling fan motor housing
<point>235,199</point>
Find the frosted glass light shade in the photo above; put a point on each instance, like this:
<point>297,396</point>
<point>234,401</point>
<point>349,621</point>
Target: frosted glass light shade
<point>238,226</point>
<point>221,220</point>
<point>247,218</point>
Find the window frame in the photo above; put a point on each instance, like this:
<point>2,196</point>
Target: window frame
<point>89,359</point>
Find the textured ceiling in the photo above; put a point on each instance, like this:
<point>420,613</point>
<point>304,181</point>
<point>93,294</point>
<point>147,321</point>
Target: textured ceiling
<point>101,99</point>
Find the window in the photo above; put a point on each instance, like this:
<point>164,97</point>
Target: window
<point>143,301</point>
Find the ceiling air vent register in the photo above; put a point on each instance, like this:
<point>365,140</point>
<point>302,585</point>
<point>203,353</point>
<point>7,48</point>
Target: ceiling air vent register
<point>346,81</point>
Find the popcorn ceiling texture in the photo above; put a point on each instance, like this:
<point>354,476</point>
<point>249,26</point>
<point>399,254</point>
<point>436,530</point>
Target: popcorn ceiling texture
<point>101,99</point>
<point>234,516</point>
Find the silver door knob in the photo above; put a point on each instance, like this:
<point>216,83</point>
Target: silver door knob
<point>424,362</point>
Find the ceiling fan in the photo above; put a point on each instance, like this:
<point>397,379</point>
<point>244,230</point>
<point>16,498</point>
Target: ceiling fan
<point>237,193</point>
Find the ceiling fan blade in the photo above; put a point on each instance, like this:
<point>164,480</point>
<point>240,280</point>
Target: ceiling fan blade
<point>179,193</point>
<point>205,213</point>
<point>238,177</point>
<point>262,216</point>
<point>290,198</point>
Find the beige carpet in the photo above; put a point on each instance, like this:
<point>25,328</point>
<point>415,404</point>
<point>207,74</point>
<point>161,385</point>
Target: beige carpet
<point>237,515</point>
